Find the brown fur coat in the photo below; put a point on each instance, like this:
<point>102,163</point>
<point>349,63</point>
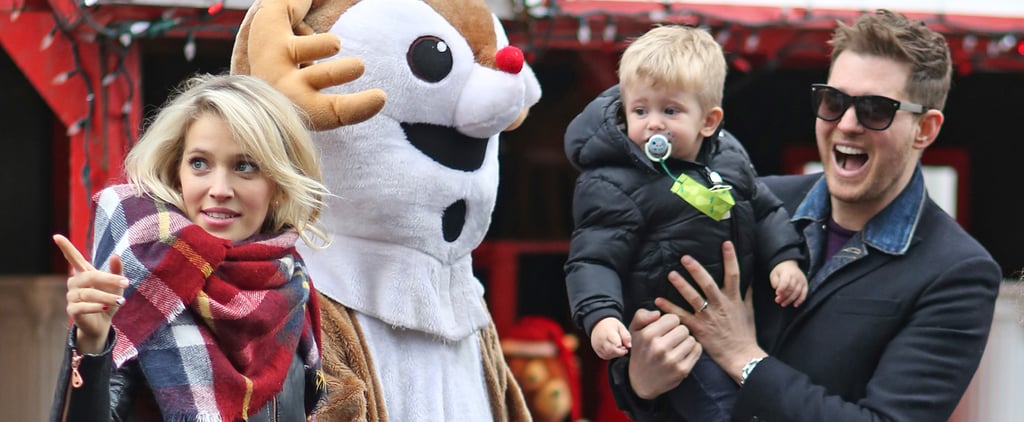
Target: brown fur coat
<point>354,392</point>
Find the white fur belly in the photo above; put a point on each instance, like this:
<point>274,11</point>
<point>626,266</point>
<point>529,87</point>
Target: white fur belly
<point>425,378</point>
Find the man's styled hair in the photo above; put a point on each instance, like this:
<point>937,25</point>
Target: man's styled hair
<point>893,36</point>
<point>268,127</point>
<point>680,57</point>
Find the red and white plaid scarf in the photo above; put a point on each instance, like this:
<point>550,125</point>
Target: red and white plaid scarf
<point>214,325</point>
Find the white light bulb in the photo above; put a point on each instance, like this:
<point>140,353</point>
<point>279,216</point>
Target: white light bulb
<point>138,27</point>
<point>190,49</point>
<point>609,32</point>
<point>47,42</point>
<point>75,128</point>
<point>584,32</point>
<point>61,78</point>
<point>752,42</point>
<point>970,41</point>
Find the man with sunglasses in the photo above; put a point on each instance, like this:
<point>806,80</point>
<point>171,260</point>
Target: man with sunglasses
<point>901,298</point>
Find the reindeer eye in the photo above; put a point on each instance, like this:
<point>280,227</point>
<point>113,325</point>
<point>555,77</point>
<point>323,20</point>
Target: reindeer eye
<point>430,58</point>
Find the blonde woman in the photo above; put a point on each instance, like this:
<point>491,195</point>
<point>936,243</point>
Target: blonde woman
<point>200,308</point>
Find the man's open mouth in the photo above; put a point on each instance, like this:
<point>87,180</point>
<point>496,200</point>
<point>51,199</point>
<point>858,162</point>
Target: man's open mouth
<point>849,158</point>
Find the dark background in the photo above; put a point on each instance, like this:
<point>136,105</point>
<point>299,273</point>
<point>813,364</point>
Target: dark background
<point>766,108</point>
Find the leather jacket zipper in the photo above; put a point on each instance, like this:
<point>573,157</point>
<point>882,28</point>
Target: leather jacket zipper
<point>76,361</point>
<point>273,409</point>
<point>76,382</point>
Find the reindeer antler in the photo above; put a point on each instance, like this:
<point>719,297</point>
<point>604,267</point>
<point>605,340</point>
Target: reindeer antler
<point>275,45</point>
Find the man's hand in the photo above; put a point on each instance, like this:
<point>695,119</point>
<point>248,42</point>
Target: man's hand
<point>663,353</point>
<point>725,328</point>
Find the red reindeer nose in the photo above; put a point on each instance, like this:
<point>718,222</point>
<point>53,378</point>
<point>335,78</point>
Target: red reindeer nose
<point>509,59</point>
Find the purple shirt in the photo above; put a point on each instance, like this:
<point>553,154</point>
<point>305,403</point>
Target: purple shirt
<point>837,237</point>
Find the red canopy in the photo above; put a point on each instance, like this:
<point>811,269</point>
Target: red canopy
<point>81,58</point>
<point>783,35</point>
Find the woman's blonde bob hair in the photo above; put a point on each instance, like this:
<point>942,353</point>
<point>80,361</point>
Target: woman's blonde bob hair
<point>269,128</point>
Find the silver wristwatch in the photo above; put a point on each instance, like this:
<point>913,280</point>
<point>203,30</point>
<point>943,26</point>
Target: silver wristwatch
<point>748,368</point>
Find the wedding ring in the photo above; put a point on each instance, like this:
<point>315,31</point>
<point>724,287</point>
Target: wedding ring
<point>703,307</point>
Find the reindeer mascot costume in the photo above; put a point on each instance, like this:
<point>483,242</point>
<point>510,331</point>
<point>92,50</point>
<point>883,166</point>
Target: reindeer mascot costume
<point>406,333</point>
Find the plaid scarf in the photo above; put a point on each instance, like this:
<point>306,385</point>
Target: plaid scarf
<point>213,324</point>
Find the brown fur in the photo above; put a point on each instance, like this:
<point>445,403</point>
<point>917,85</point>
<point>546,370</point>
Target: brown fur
<point>324,13</point>
<point>472,18</point>
<point>354,392</point>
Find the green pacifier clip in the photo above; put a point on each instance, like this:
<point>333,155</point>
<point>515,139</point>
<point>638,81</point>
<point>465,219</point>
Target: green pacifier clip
<point>715,201</point>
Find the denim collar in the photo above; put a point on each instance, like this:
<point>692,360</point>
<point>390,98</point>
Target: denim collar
<point>891,230</point>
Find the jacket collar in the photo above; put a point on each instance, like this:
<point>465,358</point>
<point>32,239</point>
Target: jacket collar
<point>891,230</point>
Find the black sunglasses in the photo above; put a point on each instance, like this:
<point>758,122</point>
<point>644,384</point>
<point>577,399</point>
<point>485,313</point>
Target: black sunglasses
<point>874,112</point>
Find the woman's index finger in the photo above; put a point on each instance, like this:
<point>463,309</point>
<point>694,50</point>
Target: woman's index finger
<point>71,254</point>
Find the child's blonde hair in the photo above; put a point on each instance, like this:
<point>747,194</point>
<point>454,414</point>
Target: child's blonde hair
<point>268,127</point>
<point>674,56</point>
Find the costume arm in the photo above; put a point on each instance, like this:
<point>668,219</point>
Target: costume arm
<point>603,242</point>
<point>506,396</point>
<point>353,390</point>
<point>920,376</point>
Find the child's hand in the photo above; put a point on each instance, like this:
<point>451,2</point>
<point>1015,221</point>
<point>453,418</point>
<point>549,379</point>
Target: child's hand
<point>610,338</point>
<point>790,284</point>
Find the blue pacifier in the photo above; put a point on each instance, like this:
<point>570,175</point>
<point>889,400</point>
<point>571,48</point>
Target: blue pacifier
<point>658,147</point>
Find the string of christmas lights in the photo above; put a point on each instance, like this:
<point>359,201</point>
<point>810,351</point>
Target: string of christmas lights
<point>114,38</point>
<point>617,22</point>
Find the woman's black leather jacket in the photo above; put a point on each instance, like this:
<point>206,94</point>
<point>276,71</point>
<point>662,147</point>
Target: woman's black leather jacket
<point>122,394</point>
